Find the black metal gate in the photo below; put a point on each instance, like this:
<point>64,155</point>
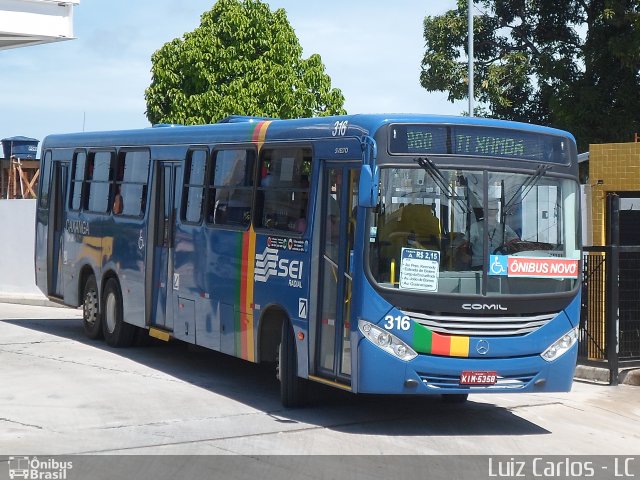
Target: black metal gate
<point>610,315</point>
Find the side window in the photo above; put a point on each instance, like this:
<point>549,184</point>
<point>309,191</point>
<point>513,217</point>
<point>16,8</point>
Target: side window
<point>130,191</point>
<point>231,187</point>
<point>77,180</point>
<point>45,182</point>
<point>283,192</point>
<point>193,190</point>
<point>99,177</point>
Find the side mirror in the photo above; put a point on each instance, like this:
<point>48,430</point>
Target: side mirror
<point>368,188</point>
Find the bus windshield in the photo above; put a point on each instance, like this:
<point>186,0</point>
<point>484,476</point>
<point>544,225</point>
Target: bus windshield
<point>474,232</point>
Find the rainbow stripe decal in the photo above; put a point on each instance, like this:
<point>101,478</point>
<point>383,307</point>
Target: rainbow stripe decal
<point>244,325</point>
<point>245,347</point>
<point>260,132</point>
<point>426,341</point>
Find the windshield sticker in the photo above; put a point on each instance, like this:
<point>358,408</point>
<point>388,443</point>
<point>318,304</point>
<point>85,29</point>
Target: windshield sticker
<point>498,265</point>
<point>419,270</point>
<point>533,267</point>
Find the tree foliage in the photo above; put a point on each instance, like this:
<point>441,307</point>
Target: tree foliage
<point>572,64</point>
<point>243,59</point>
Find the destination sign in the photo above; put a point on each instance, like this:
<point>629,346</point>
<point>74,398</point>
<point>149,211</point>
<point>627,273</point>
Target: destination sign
<point>478,141</point>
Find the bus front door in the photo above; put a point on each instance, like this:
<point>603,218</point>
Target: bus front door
<point>163,241</point>
<point>57,200</point>
<point>339,197</point>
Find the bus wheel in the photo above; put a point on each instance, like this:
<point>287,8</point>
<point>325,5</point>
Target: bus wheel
<point>91,320</point>
<point>117,333</point>
<point>292,387</point>
<point>455,397</point>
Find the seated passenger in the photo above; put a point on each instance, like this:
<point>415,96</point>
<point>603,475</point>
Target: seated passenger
<point>117,204</point>
<point>301,223</point>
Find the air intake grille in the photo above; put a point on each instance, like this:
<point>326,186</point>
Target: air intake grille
<point>481,326</point>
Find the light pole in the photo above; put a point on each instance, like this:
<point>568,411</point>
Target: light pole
<point>470,48</point>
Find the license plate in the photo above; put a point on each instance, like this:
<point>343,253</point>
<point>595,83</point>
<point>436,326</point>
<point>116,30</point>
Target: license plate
<point>472,377</point>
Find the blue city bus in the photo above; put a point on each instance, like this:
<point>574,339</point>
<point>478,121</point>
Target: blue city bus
<point>388,254</point>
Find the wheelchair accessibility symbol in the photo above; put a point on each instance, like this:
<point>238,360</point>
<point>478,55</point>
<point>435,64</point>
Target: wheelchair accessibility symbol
<point>498,265</point>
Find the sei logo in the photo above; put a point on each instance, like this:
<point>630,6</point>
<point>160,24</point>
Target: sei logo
<point>269,264</point>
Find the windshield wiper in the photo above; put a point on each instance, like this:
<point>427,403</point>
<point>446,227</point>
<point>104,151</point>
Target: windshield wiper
<point>437,177</point>
<point>527,186</point>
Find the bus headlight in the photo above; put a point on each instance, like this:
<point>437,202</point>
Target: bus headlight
<point>560,346</point>
<point>386,341</point>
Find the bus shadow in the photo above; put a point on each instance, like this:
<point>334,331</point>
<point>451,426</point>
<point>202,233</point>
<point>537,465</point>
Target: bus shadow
<point>256,386</point>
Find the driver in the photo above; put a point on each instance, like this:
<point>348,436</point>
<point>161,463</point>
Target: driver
<point>499,235</point>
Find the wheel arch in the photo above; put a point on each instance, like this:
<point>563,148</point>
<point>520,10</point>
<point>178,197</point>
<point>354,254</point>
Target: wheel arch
<point>270,331</point>
<point>106,276</point>
<point>85,272</point>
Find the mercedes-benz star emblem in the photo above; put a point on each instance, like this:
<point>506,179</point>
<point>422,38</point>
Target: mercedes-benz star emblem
<point>482,347</point>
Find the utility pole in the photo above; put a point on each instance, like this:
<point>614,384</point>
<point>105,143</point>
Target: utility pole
<point>470,48</point>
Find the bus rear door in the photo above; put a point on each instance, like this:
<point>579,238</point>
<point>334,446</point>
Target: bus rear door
<point>161,279</point>
<point>58,195</point>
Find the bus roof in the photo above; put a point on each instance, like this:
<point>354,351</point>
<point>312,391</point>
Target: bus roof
<point>236,129</point>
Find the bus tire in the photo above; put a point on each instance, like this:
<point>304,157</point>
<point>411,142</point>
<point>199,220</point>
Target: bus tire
<point>91,318</point>
<point>455,397</point>
<point>292,387</point>
<point>117,333</point>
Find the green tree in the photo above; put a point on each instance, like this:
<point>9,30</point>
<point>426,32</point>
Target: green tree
<point>571,64</point>
<point>243,59</point>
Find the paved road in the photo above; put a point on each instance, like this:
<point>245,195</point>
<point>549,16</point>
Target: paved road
<point>63,394</point>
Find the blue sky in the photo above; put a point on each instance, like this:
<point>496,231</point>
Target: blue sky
<point>371,50</point>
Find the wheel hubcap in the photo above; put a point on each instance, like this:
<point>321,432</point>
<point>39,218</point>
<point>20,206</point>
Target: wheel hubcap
<point>90,307</point>
<point>110,312</point>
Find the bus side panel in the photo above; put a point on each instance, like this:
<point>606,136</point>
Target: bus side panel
<point>83,246</point>
<point>203,272</point>
<point>282,267</point>
<point>189,302</point>
<point>221,272</point>
<point>123,253</point>
<point>213,268</point>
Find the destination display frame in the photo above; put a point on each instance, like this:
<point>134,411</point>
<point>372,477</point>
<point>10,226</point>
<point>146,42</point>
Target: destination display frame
<point>478,141</point>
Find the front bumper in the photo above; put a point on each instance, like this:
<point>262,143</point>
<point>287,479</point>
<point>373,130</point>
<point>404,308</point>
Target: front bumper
<point>380,372</point>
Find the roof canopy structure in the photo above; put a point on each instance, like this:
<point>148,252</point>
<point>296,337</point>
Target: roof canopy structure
<point>33,22</point>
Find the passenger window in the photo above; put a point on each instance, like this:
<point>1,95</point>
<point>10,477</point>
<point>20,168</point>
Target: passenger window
<point>77,180</point>
<point>283,192</point>
<point>231,188</point>
<point>193,190</point>
<point>45,181</point>
<point>99,177</point>
<point>130,191</point>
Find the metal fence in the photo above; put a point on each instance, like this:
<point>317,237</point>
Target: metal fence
<point>629,303</point>
<point>610,315</point>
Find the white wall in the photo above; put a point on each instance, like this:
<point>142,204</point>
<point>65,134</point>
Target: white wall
<point>17,237</point>
<point>587,227</point>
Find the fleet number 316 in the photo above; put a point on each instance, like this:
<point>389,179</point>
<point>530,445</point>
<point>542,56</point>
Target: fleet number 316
<point>399,322</point>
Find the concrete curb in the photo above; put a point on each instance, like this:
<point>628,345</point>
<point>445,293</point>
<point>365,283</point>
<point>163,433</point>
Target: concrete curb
<point>627,376</point>
<point>28,299</point>
<point>630,376</point>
